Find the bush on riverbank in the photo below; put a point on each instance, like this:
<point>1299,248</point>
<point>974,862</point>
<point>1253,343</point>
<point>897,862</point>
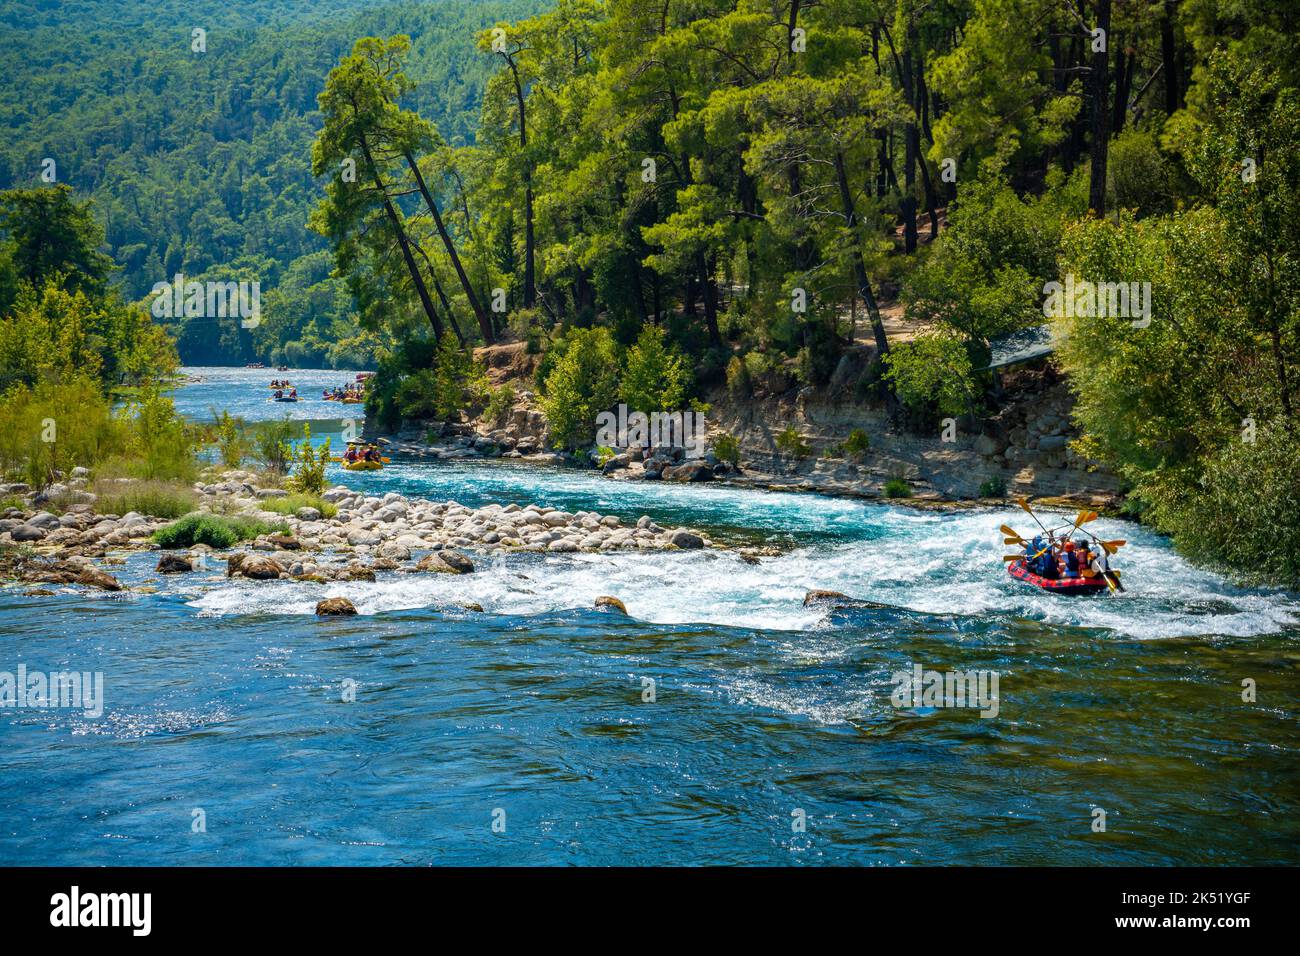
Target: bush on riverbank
<point>213,530</point>
<point>157,499</point>
<point>290,504</point>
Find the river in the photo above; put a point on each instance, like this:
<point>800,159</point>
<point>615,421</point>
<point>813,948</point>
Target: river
<point>721,722</point>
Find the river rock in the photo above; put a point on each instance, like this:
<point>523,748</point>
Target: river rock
<point>27,532</point>
<point>307,513</point>
<point>446,562</point>
<point>173,564</point>
<point>260,567</point>
<point>95,578</point>
<point>685,539</point>
<point>610,602</point>
<point>336,607</point>
<point>691,471</point>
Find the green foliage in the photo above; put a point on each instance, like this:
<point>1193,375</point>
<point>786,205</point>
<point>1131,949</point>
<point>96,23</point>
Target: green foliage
<point>1196,410</point>
<point>500,401</point>
<point>582,384</point>
<point>655,376</point>
<point>218,174</point>
<point>55,426</point>
<point>995,487</point>
<point>215,531</point>
<point>738,381</point>
<point>897,487</point>
<point>856,445</point>
<point>934,367</point>
<point>290,504</point>
<point>272,444</point>
<point>726,448</point>
<point>308,476</point>
<point>158,499</point>
<point>230,434</point>
<point>791,444</point>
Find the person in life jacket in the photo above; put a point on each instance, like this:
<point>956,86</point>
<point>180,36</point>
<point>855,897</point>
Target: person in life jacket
<point>1039,559</point>
<point>351,453</point>
<point>1069,560</point>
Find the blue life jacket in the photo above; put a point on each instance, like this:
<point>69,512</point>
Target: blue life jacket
<point>1071,564</point>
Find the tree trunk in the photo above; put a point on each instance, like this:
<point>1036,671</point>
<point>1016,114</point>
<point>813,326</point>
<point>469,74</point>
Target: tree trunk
<point>1169,53</point>
<point>1100,82</point>
<point>421,290</point>
<point>859,265</point>
<point>530,281</point>
<point>484,320</point>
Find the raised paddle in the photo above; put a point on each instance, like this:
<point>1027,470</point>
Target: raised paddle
<point>1029,511</point>
<point>1011,532</point>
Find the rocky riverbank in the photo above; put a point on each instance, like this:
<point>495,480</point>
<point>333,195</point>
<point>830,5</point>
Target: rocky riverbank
<point>366,534</point>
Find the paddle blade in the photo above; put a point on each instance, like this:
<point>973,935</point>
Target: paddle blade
<point>1016,540</point>
<point>1113,546</point>
<point>1024,503</point>
<point>1010,532</point>
<point>1012,557</point>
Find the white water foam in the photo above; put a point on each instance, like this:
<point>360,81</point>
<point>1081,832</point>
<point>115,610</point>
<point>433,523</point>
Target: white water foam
<point>937,563</point>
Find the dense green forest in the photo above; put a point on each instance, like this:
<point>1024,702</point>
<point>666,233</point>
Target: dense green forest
<point>198,162</point>
<point>750,179</point>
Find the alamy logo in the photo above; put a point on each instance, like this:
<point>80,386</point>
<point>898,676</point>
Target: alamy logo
<point>74,689</point>
<point>1093,300</point>
<point>659,429</point>
<point>921,688</point>
<point>180,299</point>
<point>103,909</point>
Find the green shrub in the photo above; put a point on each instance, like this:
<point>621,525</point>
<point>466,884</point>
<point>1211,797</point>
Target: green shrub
<point>738,383</point>
<point>897,488</point>
<point>790,443</point>
<point>995,487</point>
<point>290,504</point>
<point>230,435</point>
<point>727,448</point>
<point>272,444</point>
<point>212,530</point>
<point>308,476</point>
<point>655,376</point>
<point>603,454</point>
<point>500,401</point>
<point>158,499</point>
<point>857,444</point>
<point>582,384</point>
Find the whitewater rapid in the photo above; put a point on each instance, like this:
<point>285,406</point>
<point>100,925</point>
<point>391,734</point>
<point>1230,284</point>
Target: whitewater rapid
<point>941,564</point>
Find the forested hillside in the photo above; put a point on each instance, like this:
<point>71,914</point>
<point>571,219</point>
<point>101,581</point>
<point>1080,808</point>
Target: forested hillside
<point>198,162</point>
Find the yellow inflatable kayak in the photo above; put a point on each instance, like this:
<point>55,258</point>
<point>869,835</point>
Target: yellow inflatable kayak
<point>363,465</point>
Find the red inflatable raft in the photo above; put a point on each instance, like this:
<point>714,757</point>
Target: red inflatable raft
<point>1074,586</point>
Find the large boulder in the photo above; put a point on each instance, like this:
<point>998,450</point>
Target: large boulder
<point>43,520</point>
<point>691,471</point>
<point>608,602</point>
<point>685,539</point>
<point>336,607</point>
<point>169,563</point>
<point>95,578</point>
<point>446,561</point>
<point>261,567</point>
<point>835,599</point>
<point>27,532</point>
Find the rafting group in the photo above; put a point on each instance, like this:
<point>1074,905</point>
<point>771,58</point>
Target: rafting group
<point>282,390</point>
<point>1065,559</point>
<point>362,456</point>
<point>350,394</point>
